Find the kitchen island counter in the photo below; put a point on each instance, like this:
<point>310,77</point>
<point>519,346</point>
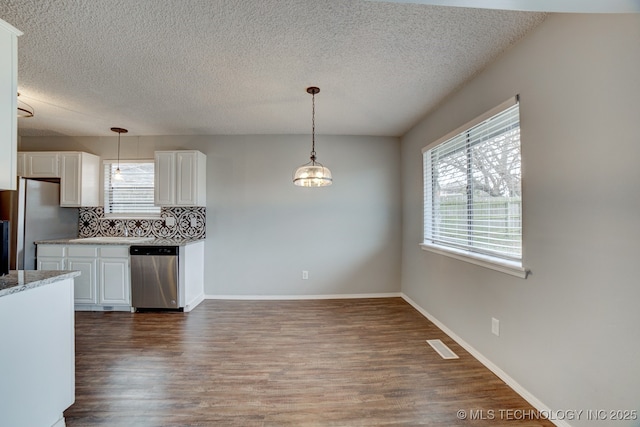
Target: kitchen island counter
<point>37,361</point>
<point>18,281</point>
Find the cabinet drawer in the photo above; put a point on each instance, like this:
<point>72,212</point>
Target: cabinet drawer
<point>82,251</point>
<point>51,250</point>
<point>107,251</point>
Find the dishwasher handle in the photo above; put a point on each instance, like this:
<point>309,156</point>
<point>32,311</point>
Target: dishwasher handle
<point>154,250</point>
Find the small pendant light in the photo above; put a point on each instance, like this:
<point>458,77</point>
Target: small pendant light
<point>312,174</point>
<point>117,175</point>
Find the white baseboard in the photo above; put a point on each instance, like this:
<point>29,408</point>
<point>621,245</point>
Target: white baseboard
<point>59,423</point>
<point>534,401</point>
<point>194,303</point>
<point>302,297</point>
<point>95,307</point>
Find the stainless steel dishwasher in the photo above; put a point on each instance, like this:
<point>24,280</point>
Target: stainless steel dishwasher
<point>154,277</point>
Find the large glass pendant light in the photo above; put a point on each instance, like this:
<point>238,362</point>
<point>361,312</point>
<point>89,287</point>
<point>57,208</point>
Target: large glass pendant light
<point>117,175</point>
<point>312,174</point>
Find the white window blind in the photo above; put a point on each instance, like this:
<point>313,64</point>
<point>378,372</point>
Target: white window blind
<point>472,188</point>
<point>134,193</point>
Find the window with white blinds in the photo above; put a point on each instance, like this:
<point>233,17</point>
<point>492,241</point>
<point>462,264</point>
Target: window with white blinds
<point>472,188</point>
<point>133,193</point>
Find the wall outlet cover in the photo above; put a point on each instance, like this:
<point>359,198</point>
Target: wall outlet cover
<point>495,326</point>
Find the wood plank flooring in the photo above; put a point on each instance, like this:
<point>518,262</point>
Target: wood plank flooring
<point>281,363</point>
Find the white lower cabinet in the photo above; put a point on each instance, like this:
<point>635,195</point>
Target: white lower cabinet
<point>85,284</point>
<point>104,282</point>
<point>50,257</point>
<point>50,263</point>
<point>114,282</point>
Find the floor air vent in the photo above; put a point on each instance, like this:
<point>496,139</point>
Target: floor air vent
<point>444,351</point>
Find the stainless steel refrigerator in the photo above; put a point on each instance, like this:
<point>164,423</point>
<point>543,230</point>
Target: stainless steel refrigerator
<point>34,213</point>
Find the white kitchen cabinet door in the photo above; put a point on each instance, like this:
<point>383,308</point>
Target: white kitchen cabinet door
<point>50,257</point>
<point>190,178</point>
<point>79,179</point>
<point>70,169</point>
<point>180,178</point>
<point>165,181</point>
<point>113,283</point>
<point>85,284</point>
<point>9,105</point>
<point>50,263</point>
<point>41,165</point>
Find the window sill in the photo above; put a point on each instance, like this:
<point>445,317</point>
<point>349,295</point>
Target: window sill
<point>147,216</point>
<point>512,268</point>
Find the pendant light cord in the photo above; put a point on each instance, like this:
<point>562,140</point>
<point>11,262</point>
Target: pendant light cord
<point>313,128</point>
<point>120,131</point>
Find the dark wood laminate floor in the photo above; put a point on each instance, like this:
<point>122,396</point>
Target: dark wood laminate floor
<point>280,363</point>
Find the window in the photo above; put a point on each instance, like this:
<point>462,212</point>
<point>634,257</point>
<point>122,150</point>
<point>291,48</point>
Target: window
<point>472,191</point>
<point>133,194</point>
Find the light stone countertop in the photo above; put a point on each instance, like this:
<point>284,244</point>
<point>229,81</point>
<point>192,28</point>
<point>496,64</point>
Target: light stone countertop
<point>22,280</point>
<point>89,241</point>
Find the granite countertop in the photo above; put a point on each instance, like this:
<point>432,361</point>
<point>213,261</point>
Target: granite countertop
<point>21,280</point>
<point>91,241</point>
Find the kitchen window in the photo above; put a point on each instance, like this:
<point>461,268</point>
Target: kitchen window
<point>473,193</point>
<point>131,194</point>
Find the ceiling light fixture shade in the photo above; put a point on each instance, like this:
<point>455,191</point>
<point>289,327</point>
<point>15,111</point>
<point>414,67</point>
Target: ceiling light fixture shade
<point>24,109</point>
<point>117,175</point>
<point>312,174</point>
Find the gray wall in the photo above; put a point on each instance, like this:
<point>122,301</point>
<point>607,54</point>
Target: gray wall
<point>569,333</point>
<point>262,231</point>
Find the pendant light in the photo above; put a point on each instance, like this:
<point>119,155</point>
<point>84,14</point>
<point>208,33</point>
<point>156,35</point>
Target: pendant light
<point>312,174</point>
<point>24,109</point>
<point>117,175</point>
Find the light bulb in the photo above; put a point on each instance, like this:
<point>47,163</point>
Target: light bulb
<point>118,175</point>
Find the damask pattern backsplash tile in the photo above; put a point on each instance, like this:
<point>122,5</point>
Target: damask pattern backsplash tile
<point>174,223</point>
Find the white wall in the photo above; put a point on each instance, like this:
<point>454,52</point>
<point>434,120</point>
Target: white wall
<point>262,231</point>
<point>569,333</point>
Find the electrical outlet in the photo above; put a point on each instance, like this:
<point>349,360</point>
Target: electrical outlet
<point>194,221</point>
<point>495,326</point>
<point>170,221</point>
<point>305,275</point>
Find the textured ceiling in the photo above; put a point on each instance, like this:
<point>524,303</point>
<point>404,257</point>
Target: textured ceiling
<point>562,6</point>
<point>204,67</point>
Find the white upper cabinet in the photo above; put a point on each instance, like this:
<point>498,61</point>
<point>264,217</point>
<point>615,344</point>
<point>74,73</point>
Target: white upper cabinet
<point>79,174</point>
<point>165,181</point>
<point>20,169</point>
<point>9,105</point>
<point>191,178</point>
<point>41,165</point>
<point>79,179</point>
<point>180,178</point>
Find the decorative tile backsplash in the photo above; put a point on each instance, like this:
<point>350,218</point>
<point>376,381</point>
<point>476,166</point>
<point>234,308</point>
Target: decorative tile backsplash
<point>174,223</point>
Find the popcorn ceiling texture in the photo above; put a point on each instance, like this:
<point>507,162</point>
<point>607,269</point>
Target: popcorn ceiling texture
<point>213,67</point>
<point>189,223</point>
